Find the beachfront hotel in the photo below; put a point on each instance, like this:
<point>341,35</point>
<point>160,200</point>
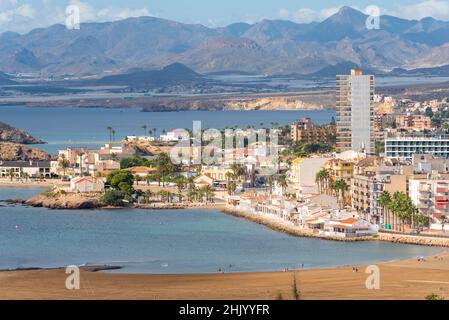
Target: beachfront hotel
<point>355,112</point>
<point>404,147</point>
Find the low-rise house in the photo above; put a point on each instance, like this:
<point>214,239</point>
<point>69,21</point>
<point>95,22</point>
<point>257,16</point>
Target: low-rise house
<point>86,184</point>
<point>351,227</point>
<point>31,168</point>
<point>142,171</point>
<point>203,180</point>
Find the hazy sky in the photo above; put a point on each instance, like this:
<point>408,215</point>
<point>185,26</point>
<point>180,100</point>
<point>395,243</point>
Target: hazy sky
<point>23,15</point>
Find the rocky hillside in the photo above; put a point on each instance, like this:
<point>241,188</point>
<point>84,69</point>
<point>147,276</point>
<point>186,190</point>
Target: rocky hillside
<point>265,47</point>
<point>13,151</point>
<point>11,134</point>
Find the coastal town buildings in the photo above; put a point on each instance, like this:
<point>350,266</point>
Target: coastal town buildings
<point>307,218</point>
<point>305,131</point>
<point>83,161</point>
<point>414,122</point>
<point>355,112</point>
<point>340,169</point>
<point>431,197</point>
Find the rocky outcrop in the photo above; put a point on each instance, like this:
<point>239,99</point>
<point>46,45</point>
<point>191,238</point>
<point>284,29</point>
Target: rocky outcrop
<point>11,134</point>
<point>147,148</point>
<point>63,200</point>
<point>13,151</point>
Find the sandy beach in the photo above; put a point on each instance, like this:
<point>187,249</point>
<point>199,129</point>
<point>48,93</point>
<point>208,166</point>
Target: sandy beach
<point>408,279</point>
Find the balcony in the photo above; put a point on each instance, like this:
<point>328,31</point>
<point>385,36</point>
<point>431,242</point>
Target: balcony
<point>442,190</point>
<point>441,199</point>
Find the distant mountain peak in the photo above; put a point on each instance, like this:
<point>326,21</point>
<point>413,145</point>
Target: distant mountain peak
<point>346,15</point>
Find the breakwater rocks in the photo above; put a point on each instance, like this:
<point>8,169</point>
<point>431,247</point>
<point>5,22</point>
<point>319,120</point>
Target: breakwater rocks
<point>418,240</point>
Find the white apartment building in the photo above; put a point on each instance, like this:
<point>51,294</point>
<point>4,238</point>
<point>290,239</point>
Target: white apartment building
<point>355,112</point>
<point>406,147</point>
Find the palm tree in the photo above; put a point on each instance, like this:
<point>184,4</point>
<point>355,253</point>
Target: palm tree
<point>237,170</point>
<point>340,186</point>
<point>144,127</point>
<point>80,155</point>
<point>322,180</point>
<point>63,163</point>
<point>11,173</point>
<point>282,181</point>
<point>147,195</point>
<point>113,134</point>
<point>26,176</point>
<point>402,208</point>
<point>180,183</point>
<point>385,202</point>
<point>109,128</point>
<point>113,156</point>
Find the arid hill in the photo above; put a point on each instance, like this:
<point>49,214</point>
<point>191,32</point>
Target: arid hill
<point>11,134</point>
<point>14,151</point>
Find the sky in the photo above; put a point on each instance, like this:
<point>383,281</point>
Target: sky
<point>24,15</point>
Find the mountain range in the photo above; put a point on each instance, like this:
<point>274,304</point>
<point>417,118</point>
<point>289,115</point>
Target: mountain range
<point>268,47</point>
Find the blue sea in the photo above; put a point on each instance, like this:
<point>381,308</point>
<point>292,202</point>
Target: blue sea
<point>168,241</point>
<point>62,127</point>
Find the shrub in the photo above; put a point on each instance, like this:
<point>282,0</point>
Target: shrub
<point>113,198</point>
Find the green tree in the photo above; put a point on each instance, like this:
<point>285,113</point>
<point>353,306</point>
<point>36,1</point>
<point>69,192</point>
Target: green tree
<point>121,180</point>
<point>113,198</point>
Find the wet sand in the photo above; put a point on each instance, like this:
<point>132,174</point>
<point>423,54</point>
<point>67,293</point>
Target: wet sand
<point>408,279</point>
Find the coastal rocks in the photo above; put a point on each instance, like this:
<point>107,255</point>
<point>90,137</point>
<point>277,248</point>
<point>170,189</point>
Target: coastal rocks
<point>11,134</point>
<point>66,201</point>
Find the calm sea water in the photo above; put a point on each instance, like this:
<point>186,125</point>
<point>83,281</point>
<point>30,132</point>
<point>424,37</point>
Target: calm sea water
<point>62,127</point>
<point>168,241</point>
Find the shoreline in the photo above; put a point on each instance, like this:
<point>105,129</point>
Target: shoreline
<point>285,227</point>
<point>400,279</point>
